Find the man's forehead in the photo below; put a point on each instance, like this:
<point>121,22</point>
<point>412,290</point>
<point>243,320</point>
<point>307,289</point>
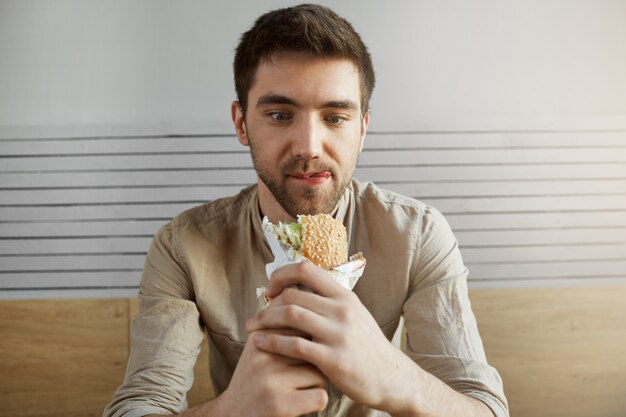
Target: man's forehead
<point>332,78</point>
<point>270,98</point>
<point>278,56</point>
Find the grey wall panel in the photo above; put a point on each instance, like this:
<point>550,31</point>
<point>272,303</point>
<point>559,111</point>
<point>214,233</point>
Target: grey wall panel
<point>523,216</point>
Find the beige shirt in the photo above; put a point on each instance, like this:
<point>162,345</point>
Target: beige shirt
<point>203,268</point>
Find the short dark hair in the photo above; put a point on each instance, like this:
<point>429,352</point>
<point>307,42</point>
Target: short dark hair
<point>309,28</point>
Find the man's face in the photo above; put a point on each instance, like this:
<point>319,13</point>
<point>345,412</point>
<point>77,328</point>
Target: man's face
<point>305,129</point>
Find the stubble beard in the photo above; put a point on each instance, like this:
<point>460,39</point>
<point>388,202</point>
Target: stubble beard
<point>303,199</point>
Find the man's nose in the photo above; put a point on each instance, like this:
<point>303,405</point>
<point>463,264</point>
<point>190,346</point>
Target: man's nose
<point>307,140</point>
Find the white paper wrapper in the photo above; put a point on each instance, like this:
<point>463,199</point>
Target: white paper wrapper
<point>346,274</point>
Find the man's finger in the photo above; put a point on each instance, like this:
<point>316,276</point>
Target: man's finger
<point>292,347</point>
<point>289,316</point>
<point>312,400</point>
<point>305,274</point>
<point>304,298</point>
<point>308,376</point>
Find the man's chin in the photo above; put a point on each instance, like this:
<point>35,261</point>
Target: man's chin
<point>309,203</point>
<point>297,198</point>
<point>309,207</point>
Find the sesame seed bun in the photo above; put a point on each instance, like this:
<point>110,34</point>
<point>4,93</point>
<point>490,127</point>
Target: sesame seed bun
<point>324,240</point>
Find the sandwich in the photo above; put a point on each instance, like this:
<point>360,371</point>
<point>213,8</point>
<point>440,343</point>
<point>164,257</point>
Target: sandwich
<point>319,238</point>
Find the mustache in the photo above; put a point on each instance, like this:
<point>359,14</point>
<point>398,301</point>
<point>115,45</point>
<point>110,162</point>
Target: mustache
<point>306,166</point>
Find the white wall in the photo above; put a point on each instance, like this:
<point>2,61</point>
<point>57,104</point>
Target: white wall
<point>446,65</point>
<point>510,116</point>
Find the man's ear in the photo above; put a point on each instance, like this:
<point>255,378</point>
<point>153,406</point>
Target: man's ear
<point>236,112</point>
<point>364,123</point>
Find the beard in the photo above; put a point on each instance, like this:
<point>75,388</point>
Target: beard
<point>302,199</point>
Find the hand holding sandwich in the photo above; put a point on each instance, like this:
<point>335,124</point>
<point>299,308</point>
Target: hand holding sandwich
<point>266,384</point>
<point>345,343</point>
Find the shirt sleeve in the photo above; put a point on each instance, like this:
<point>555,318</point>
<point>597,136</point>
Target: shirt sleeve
<point>165,337</point>
<point>442,334</point>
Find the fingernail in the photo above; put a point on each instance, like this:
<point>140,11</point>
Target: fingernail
<point>250,323</point>
<point>259,338</point>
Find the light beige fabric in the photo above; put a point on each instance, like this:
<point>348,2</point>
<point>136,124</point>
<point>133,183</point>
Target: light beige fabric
<point>203,268</point>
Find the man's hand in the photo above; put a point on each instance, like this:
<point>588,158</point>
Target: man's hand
<point>266,384</point>
<point>345,342</point>
<point>347,345</point>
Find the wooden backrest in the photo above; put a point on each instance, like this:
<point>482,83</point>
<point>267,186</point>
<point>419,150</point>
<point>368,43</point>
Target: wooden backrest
<point>560,352</point>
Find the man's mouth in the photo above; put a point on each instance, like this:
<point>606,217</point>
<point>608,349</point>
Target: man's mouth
<point>311,178</point>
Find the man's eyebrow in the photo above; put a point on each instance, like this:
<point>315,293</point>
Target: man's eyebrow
<point>275,99</point>
<point>280,99</point>
<point>342,104</point>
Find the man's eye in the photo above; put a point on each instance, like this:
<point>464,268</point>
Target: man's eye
<point>279,117</point>
<point>336,120</point>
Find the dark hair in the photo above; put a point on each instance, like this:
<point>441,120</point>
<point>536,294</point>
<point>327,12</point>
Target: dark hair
<point>308,28</point>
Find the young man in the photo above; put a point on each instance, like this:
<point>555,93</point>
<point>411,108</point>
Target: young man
<point>303,79</point>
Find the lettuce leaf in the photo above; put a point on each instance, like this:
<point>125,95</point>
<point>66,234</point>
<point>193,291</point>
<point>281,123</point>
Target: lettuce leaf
<point>289,234</point>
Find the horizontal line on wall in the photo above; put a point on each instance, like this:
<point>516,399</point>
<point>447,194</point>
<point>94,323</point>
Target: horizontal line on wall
<point>55,255</point>
<point>489,148</point>
<point>420,197</point>
<point>494,131</point>
<point>541,245</point>
<point>501,196</point>
<point>245,184</point>
<point>366,149</point>
<point>564,277</point>
<point>113,137</point>
<point>494,164</point>
<point>371,133</point>
<point>115,220</point>
<point>539,229</point>
<point>166,219</point>
<point>65,271</point>
<point>479,213</point>
<point>136,287</point>
<point>75,237</point>
<point>125,187</point>
<point>462,247</point>
<point>456,229</point>
<point>442,165</point>
<point>501,180</point>
<point>114,154</point>
<point>111,254</point>
<point>198,202</point>
<point>64,171</point>
<point>101,287</point>
<point>545,261</point>
<point>106,203</point>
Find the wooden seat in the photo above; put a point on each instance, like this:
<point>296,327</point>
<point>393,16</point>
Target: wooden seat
<point>560,352</point>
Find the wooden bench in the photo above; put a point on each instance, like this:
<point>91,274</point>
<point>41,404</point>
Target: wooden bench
<point>560,352</point>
